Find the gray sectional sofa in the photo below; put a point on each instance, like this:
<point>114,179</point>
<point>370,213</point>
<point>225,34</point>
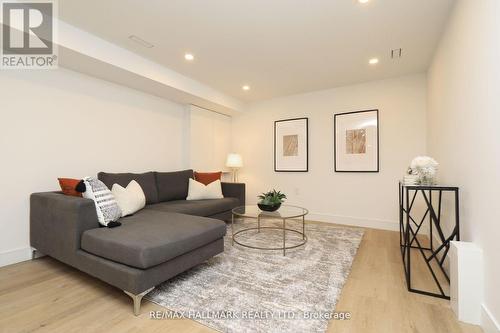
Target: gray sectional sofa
<point>167,237</point>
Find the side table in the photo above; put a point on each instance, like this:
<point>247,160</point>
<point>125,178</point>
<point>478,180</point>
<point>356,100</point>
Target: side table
<point>410,227</point>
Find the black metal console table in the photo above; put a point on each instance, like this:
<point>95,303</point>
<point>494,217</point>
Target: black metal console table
<point>409,229</point>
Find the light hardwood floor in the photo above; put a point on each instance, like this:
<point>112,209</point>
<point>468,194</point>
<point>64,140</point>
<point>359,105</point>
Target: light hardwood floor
<point>44,295</point>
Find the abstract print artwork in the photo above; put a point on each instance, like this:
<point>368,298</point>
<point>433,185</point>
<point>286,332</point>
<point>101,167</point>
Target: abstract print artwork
<point>291,145</point>
<point>356,141</point>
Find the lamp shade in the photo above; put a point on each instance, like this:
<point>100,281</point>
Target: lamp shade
<point>234,161</point>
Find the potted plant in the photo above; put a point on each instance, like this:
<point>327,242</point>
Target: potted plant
<point>271,201</point>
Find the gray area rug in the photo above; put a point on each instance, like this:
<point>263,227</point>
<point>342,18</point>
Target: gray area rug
<point>248,290</point>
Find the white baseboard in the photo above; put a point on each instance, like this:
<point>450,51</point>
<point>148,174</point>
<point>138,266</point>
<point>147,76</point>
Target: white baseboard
<point>355,221</point>
<point>14,256</point>
<point>488,323</point>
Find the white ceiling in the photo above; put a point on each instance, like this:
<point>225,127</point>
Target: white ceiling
<point>278,47</point>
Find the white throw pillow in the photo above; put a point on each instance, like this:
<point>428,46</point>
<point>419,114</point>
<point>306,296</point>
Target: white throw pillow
<point>199,191</point>
<point>130,199</point>
<point>105,204</point>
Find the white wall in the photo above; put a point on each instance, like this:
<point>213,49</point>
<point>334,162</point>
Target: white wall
<point>64,124</point>
<point>369,199</point>
<point>209,140</point>
<point>463,134</point>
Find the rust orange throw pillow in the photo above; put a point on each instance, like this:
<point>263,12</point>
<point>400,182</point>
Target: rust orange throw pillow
<point>68,186</point>
<point>207,177</point>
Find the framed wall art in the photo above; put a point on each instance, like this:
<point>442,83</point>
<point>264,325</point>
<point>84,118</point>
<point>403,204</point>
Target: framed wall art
<point>291,151</point>
<point>356,141</point>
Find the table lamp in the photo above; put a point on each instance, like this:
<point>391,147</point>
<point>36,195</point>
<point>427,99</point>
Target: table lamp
<point>234,162</point>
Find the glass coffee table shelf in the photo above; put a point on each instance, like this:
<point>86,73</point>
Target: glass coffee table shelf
<point>283,214</point>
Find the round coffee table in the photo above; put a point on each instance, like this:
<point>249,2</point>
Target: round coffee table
<point>284,213</point>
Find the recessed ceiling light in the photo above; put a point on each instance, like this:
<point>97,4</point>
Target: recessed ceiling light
<point>373,61</point>
<point>141,41</point>
<point>189,57</point>
<point>363,1</point>
<point>246,88</point>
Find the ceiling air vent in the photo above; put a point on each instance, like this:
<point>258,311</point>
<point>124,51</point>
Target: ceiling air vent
<point>141,41</point>
<point>396,53</point>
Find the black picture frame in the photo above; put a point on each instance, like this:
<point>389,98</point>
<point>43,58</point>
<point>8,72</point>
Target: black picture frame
<point>307,144</point>
<point>335,141</point>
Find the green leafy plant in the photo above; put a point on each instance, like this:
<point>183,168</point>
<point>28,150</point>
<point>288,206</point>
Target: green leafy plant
<point>272,198</point>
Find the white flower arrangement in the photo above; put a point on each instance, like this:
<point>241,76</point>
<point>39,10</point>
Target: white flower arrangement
<point>425,167</point>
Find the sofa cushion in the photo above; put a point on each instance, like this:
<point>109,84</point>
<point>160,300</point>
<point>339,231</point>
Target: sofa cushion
<point>70,186</point>
<point>207,177</point>
<point>207,207</point>
<point>200,191</point>
<point>131,199</point>
<point>173,185</point>
<point>152,237</point>
<point>146,180</point>
<point>107,208</point>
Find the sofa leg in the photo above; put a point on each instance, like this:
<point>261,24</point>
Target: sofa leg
<point>137,300</point>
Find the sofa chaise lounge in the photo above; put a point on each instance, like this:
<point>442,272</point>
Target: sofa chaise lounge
<point>167,237</point>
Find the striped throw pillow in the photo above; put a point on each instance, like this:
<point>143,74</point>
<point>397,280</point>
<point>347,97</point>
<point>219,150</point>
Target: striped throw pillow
<point>105,204</point>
